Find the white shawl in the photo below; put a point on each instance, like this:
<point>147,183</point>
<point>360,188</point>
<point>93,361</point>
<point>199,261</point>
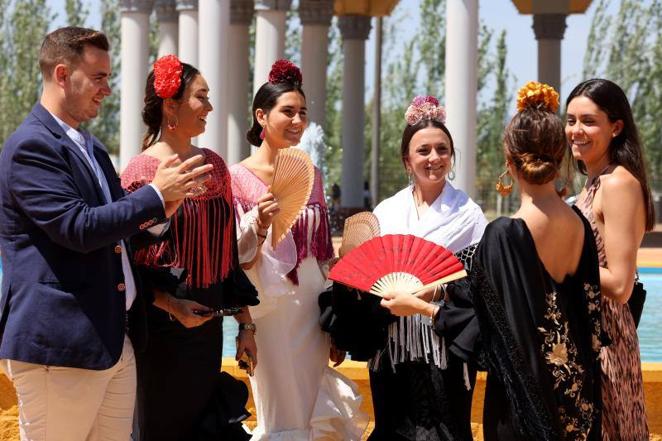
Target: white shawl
<point>453,221</point>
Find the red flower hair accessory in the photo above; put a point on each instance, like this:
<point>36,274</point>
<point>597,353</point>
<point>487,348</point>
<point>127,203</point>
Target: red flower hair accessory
<point>425,107</point>
<point>167,76</point>
<point>284,71</point>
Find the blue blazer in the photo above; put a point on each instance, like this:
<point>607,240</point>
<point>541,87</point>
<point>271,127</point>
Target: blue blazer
<point>62,301</point>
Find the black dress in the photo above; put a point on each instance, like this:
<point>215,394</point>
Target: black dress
<point>179,384</point>
<point>412,400</point>
<point>540,339</point>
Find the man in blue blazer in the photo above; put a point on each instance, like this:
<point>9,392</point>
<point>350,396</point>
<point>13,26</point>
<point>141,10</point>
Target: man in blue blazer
<point>68,291</point>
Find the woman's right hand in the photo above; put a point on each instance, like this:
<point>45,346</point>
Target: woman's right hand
<point>267,208</point>
<point>189,313</point>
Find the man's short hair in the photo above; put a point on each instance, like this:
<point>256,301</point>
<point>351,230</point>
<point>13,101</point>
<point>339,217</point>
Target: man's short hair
<point>66,45</point>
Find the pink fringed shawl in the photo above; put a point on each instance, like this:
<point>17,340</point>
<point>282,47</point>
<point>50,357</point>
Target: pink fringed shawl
<point>247,188</point>
<point>203,240</point>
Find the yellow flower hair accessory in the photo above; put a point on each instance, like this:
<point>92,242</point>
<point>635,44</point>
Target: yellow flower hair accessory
<point>537,95</point>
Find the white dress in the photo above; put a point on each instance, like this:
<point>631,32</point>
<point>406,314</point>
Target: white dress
<point>298,397</point>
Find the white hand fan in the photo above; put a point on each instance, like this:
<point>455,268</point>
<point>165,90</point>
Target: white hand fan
<point>294,175</point>
<point>358,228</point>
<point>397,262</point>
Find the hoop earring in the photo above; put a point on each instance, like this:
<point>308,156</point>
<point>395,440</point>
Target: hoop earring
<point>172,125</point>
<point>504,189</point>
<point>451,175</point>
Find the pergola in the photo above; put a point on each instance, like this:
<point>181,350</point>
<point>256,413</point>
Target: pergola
<point>214,36</point>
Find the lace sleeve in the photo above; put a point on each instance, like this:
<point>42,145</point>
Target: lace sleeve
<point>246,233</point>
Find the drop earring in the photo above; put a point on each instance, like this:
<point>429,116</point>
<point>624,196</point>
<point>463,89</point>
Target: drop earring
<point>504,189</point>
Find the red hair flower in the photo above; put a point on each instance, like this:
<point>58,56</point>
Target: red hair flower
<point>167,76</point>
<point>284,71</point>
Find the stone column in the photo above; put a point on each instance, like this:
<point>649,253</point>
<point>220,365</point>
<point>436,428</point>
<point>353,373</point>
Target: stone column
<point>354,31</point>
<point>214,24</point>
<point>134,56</point>
<point>461,87</point>
<point>549,30</point>
<point>166,14</point>
<point>316,18</point>
<point>269,37</point>
<point>241,14</point>
<point>188,31</point>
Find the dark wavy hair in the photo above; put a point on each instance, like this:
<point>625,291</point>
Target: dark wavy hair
<point>265,99</point>
<point>153,109</point>
<point>409,132</point>
<point>625,149</point>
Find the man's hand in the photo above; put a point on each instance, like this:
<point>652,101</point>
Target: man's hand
<point>177,180</point>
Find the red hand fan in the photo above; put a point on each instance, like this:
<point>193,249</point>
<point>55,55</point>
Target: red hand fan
<point>397,262</point>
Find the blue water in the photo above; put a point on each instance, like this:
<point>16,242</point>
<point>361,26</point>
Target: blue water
<point>650,328</point>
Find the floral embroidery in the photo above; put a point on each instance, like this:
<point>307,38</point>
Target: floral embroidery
<point>560,351</point>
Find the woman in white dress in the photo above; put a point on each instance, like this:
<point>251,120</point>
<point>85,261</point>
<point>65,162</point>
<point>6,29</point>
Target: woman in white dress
<point>297,396</point>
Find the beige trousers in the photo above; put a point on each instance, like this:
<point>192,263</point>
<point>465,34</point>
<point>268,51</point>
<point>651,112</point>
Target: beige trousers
<point>70,404</point>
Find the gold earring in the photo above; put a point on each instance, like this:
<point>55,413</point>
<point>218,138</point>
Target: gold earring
<point>172,125</point>
<point>504,189</point>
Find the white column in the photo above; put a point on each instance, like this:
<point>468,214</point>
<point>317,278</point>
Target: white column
<point>214,24</point>
<point>188,31</point>
<point>549,30</point>
<point>354,30</point>
<point>166,14</point>
<point>241,14</point>
<point>134,52</point>
<point>316,18</point>
<point>270,18</point>
<point>461,87</point>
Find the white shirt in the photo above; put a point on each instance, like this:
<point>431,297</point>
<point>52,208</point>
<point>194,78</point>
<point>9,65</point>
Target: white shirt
<point>84,143</point>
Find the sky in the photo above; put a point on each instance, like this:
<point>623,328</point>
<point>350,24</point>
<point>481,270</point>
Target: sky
<point>496,14</point>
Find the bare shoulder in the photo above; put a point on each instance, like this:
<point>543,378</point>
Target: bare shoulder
<point>620,182</point>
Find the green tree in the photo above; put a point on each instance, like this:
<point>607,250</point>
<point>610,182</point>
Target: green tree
<point>491,120</point>
<point>24,24</point>
<point>106,126</point>
<point>76,12</point>
<point>625,45</point>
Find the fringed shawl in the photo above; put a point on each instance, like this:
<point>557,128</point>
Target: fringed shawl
<point>310,233</point>
<point>202,231</point>
<point>453,221</point>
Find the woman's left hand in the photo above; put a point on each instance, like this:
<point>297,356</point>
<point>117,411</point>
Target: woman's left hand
<point>404,304</point>
<point>246,343</point>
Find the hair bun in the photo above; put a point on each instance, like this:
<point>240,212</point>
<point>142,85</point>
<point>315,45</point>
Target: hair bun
<point>284,71</point>
<point>539,96</point>
<point>537,168</point>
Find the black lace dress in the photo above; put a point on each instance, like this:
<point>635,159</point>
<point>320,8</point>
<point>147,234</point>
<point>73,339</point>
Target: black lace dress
<point>539,339</point>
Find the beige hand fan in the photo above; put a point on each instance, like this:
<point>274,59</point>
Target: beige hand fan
<point>294,175</point>
<point>358,228</point>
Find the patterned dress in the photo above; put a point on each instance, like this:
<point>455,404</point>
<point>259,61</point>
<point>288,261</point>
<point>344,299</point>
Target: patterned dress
<point>624,413</point>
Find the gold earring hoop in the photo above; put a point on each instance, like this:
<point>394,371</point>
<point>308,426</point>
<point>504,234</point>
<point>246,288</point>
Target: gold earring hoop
<point>504,189</point>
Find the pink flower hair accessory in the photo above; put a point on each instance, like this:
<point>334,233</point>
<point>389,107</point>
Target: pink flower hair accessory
<point>284,71</point>
<point>167,76</point>
<point>425,107</point>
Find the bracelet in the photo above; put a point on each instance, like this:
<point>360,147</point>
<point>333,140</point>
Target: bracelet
<point>434,312</point>
<point>434,293</point>
<point>247,327</point>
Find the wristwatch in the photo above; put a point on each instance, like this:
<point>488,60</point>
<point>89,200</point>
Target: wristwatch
<point>247,327</point>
